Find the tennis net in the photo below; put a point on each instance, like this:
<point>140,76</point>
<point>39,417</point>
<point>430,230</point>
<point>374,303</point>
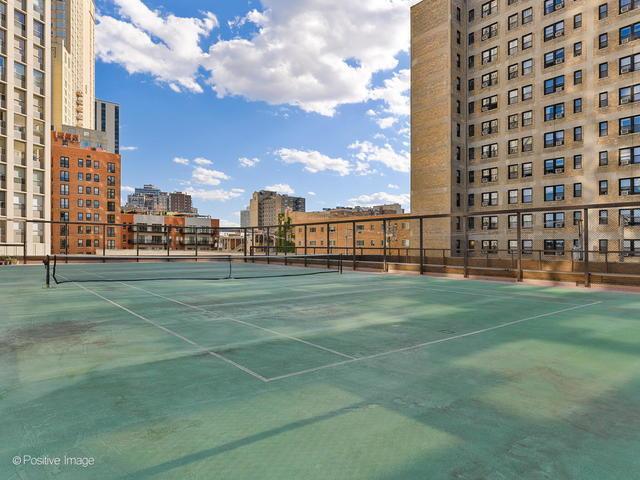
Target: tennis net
<point>71,269</point>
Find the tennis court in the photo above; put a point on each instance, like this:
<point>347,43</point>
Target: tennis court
<point>169,371</point>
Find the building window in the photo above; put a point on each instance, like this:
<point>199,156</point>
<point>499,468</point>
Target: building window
<point>603,158</point>
<point>554,85</point>
<point>577,190</point>
<point>603,11</point>
<point>554,193</point>
<point>554,139</point>
<point>629,186</point>
<point>553,112</point>
<point>629,125</point>
<point>554,31</point>
<point>603,217</point>
<point>603,101</point>
<point>603,70</point>
<point>603,129</point>
<point>577,162</point>
<point>603,187</point>
<point>603,40</point>
<point>554,166</point>
<point>554,220</point>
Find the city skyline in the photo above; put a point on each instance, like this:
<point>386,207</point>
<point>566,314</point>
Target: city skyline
<point>241,137</point>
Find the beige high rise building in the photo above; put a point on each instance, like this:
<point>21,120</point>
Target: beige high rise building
<point>526,104</point>
<point>73,25</point>
<point>25,144</point>
<point>265,207</point>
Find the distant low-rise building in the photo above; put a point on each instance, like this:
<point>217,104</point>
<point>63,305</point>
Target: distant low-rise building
<point>175,232</point>
<point>245,218</point>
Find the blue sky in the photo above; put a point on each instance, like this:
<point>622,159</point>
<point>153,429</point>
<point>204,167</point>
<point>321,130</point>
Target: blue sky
<point>223,97</point>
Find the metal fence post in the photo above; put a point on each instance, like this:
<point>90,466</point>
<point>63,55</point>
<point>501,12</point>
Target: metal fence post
<point>587,274</point>
<point>328,249</point>
<point>305,244</point>
<point>168,241</point>
<point>244,243</point>
<point>465,239</point>
<point>384,245</point>
<point>24,242</point>
<point>197,241</point>
<point>268,244</point>
<point>253,242</point>
<point>520,273</point>
<point>353,241</point>
<point>104,242</point>
<point>421,246</point>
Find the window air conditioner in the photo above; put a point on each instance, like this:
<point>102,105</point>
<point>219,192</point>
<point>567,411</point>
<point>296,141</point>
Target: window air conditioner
<point>625,40</point>
<point>624,193</point>
<point>625,69</point>
<point>485,203</point>
<point>559,60</point>
<point>624,161</point>
<point>624,100</point>
<point>625,130</point>
<point>625,8</point>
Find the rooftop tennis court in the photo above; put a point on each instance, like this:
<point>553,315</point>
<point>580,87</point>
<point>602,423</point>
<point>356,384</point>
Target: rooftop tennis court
<point>327,376</point>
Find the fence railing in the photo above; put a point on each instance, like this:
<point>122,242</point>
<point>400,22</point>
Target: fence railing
<point>585,244</point>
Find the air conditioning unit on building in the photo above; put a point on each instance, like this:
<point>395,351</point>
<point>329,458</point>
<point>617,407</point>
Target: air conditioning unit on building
<point>624,161</point>
<point>624,193</point>
<point>625,8</point>
<point>625,69</point>
<point>624,100</point>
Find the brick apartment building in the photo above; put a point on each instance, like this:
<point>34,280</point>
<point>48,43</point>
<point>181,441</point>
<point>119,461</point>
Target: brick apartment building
<point>85,191</point>
<point>369,233</point>
<point>150,232</point>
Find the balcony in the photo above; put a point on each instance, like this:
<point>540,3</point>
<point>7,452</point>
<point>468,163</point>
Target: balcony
<point>20,158</point>
<point>3,181</point>
<point>20,132</point>
<point>19,211</point>
<point>38,162</point>
<point>38,187</point>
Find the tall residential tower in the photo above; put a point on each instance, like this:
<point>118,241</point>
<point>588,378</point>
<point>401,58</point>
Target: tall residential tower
<point>25,175</point>
<point>525,104</point>
<point>73,63</point>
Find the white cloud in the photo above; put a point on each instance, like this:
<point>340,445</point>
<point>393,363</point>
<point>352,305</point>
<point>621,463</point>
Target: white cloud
<point>281,188</point>
<point>127,189</point>
<point>128,149</point>
<point>380,198</point>
<point>368,153</point>
<point>146,41</point>
<point>393,186</point>
<point>312,194</point>
<point>216,195</point>
<point>181,161</point>
<point>315,54</point>
<point>314,161</point>
<point>394,93</point>
<point>248,162</point>
<point>207,176</point>
<point>386,122</point>
<point>202,161</point>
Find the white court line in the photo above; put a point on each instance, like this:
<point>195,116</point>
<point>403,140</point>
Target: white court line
<point>248,324</point>
<point>175,334</point>
<point>433,342</point>
<point>501,294</point>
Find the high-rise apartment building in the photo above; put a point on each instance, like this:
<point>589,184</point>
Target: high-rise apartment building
<point>85,191</point>
<point>108,121</point>
<point>521,103</point>
<point>245,218</point>
<point>265,207</point>
<point>73,25</point>
<point>25,123</point>
<point>180,202</point>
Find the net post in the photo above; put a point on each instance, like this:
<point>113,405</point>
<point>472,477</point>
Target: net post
<point>353,241</point>
<point>285,258</point>
<point>47,268</point>
<point>520,273</point>
<point>587,274</point>
<point>24,242</point>
<point>421,246</point>
<point>340,264</point>
<point>384,246</point>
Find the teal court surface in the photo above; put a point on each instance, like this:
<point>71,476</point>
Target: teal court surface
<point>328,376</point>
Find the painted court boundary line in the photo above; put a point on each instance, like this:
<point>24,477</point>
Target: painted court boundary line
<point>433,342</point>
<point>175,334</point>
<point>248,324</point>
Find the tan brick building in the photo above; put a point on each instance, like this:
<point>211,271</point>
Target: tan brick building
<point>339,237</point>
<point>85,190</point>
<point>539,108</point>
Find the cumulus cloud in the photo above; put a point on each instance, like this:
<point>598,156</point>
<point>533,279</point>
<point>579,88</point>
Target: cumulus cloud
<point>128,148</point>
<point>380,198</point>
<point>394,93</point>
<point>127,189</point>
<point>248,162</point>
<point>207,176</point>
<point>314,54</point>
<point>281,188</point>
<point>146,41</point>
<point>393,186</point>
<point>314,161</point>
<point>181,161</point>
<point>312,194</point>
<point>215,195</point>
<point>367,153</point>
<point>202,161</point>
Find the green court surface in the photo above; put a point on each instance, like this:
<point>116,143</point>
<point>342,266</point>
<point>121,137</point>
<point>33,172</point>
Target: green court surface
<point>353,376</point>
